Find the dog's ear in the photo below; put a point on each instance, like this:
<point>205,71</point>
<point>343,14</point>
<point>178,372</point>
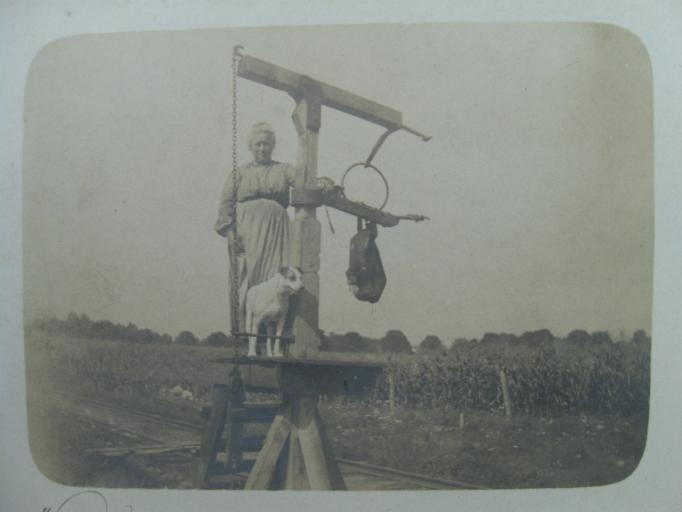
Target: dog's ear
<point>284,271</point>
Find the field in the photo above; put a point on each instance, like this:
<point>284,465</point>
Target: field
<point>448,420</point>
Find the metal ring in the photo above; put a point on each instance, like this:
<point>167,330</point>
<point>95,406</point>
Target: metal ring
<point>376,169</point>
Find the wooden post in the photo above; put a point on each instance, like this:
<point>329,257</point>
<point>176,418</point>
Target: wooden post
<point>263,471</point>
<point>391,390</point>
<point>312,447</point>
<point>505,394</point>
<point>296,479</point>
<point>212,432</point>
<point>306,231</point>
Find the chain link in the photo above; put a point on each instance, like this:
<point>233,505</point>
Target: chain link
<point>234,241</point>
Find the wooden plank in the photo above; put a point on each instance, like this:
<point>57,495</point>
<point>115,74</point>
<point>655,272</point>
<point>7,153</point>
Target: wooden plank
<point>212,433</point>
<point>312,447</point>
<point>328,380</point>
<point>271,363</point>
<point>289,81</point>
<point>263,470</point>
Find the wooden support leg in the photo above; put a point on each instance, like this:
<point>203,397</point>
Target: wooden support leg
<point>234,433</point>
<point>297,480</point>
<point>212,433</point>
<point>335,476</point>
<point>261,476</point>
<point>312,446</point>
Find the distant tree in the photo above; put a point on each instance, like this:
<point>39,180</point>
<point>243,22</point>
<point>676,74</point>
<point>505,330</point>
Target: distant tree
<point>354,342</point>
<point>601,337</point>
<point>130,332</point>
<point>640,337</point>
<point>431,345</point>
<point>334,343</point>
<point>537,338</point>
<point>459,344</point>
<point>77,325</point>
<point>145,336</point>
<point>186,338</point>
<point>395,342</point>
<point>579,336</point>
<point>166,338</point>
<point>217,339</point>
<point>490,337</point>
<point>103,329</point>
<point>510,339</point>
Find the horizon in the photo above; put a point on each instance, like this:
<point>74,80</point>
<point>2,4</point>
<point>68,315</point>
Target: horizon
<point>622,335</point>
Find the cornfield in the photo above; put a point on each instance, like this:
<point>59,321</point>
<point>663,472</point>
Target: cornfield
<point>555,378</point>
<point>103,366</point>
<point>552,378</point>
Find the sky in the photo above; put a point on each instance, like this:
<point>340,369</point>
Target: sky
<point>538,180</point>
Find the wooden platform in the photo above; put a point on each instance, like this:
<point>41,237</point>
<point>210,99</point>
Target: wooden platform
<point>346,377</point>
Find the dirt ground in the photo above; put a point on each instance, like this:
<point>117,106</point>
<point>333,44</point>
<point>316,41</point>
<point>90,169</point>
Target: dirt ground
<point>490,450</point>
<point>484,449</point>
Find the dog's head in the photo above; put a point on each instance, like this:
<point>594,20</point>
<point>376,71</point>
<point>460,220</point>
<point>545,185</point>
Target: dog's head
<point>290,279</point>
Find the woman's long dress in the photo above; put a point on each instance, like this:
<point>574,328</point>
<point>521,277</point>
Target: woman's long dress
<point>262,222</point>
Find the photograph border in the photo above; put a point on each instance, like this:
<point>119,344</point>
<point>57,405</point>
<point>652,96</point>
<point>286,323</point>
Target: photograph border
<point>29,26</point>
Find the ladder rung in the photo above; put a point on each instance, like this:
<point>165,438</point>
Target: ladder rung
<point>254,413</point>
<point>246,444</point>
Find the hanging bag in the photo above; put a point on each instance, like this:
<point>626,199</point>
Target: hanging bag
<point>365,274</point>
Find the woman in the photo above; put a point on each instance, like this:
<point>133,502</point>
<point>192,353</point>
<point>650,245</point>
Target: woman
<point>262,220</point>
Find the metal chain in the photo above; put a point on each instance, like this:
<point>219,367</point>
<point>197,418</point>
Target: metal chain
<point>234,242</point>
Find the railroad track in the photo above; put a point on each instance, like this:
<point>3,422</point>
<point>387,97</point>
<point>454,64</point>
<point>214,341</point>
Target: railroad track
<point>165,434</point>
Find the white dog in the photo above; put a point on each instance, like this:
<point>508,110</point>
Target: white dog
<point>267,304</point>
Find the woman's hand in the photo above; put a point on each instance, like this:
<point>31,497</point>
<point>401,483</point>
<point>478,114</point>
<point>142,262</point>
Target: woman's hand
<point>234,241</point>
<point>325,184</point>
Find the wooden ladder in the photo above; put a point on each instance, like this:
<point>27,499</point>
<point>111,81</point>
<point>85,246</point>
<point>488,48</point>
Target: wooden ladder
<point>223,442</point>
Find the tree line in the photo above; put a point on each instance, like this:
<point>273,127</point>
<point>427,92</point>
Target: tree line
<point>394,341</point>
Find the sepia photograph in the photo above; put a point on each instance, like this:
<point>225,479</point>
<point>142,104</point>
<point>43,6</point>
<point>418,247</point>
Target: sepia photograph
<point>367,248</point>
<point>364,257</point>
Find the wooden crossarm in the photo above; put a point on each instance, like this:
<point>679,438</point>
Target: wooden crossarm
<point>290,82</point>
<point>366,212</point>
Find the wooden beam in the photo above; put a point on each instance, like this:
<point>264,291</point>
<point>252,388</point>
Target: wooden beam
<point>211,433</point>
<point>312,447</point>
<point>380,217</point>
<point>336,478</point>
<point>306,231</point>
<point>296,479</point>
<point>263,470</point>
<point>290,82</point>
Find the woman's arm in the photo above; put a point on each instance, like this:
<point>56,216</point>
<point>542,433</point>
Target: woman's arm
<point>324,183</point>
<point>226,208</point>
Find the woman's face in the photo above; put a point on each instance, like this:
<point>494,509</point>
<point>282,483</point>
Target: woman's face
<point>261,146</point>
